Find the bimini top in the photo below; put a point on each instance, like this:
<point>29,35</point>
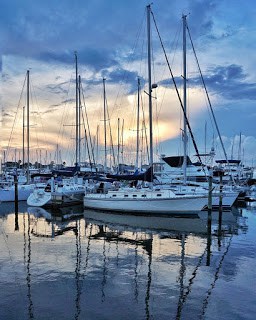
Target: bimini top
<point>176,161</point>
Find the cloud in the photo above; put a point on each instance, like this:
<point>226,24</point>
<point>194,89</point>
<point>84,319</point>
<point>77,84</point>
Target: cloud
<point>229,82</point>
<point>107,36</point>
<point>57,88</point>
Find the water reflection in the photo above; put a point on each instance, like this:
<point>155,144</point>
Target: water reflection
<point>146,267</point>
<point>178,228</point>
<point>27,262</point>
<point>78,268</point>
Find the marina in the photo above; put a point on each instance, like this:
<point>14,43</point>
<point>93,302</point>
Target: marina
<point>75,263</point>
<point>127,161</point>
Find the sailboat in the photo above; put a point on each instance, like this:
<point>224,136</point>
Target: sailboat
<point>182,176</point>
<point>146,200</point>
<point>63,191</point>
<point>7,189</point>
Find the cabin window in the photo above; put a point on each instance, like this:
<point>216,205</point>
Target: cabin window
<point>134,195</point>
<point>159,195</point>
<point>126,195</point>
<point>143,195</point>
<point>114,195</point>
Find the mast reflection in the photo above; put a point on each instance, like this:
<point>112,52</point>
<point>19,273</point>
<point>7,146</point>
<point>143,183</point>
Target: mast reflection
<point>27,259</point>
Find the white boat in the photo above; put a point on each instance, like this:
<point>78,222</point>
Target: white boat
<point>68,193</point>
<point>7,192</point>
<point>227,197</point>
<point>145,201</point>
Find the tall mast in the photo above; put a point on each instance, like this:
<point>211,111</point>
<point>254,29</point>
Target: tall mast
<point>105,126</point>
<point>79,119</point>
<point>23,138</point>
<point>97,144</point>
<point>185,135</point>
<point>239,147</point>
<point>122,141</point>
<point>149,89</point>
<point>76,109</point>
<point>28,178</point>
<point>118,144</point>
<point>138,126</point>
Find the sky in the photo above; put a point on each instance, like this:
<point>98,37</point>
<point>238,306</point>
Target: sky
<point>109,38</point>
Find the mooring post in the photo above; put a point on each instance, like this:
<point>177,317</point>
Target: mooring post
<point>209,221</point>
<point>221,192</point>
<point>210,191</point>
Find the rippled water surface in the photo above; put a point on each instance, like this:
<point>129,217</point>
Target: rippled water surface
<point>72,264</point>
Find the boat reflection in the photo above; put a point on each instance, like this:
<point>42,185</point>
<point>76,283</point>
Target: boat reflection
<point>49,223</point>
<point>150,223</point>
<point>114,249</point>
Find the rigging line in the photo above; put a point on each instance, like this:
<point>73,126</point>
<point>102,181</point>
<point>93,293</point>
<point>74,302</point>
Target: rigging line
<point>87,145</point>
<point>110,133</point>
<point>15,118</point>
<point>35,113</point>
<point>174,48</point>
<point>189,287</point>
<point>181,104</point>
<point>156,107</point>
<point>131,57</point>
<point>5,236</point>
<point>37,105</point>
<point>208,98</point>
<point>89,131</point>
<point>144,128</point>
<point>64,114</point>
<point>216,277</point>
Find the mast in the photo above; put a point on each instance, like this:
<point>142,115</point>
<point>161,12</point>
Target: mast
<point>149,89</point>
<point>23,137</point>
<point>118,144</point>
<point>185,135</point>
<point>28,178</point>
<point>57,155</point>
<point>122,141</point>
<point>239,147</point>
<point>97,145</point>
<point>79,119</point>
<point>76,109</point>
<point>138,126</point>
<point>105,127</point>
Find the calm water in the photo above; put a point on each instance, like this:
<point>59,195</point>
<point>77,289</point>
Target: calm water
<point>75,265</point>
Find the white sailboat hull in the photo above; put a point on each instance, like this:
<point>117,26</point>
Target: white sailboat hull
<point>64,197</point>
<point>8,194</point>
<point>145,202</point>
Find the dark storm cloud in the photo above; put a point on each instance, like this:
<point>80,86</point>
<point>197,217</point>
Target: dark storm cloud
<point>229,82</point>
<point>200,16</point>
<point>52,31</point>
<point>96,29</point>
<point>117,76</point>
<point>93,58</point>
<point>122,76</point>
